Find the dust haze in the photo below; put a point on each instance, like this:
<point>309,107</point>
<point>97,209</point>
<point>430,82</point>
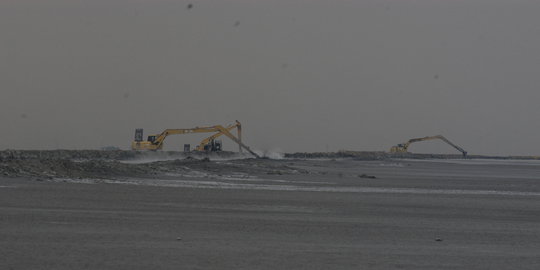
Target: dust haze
<point>300,75</point>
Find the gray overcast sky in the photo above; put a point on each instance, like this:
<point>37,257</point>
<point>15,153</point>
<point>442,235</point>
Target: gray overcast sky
<point>300,75</point>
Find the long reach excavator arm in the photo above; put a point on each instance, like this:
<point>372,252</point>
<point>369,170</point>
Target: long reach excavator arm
<point>403,147</point>
<point>155,142</point>
<point>209,140</point>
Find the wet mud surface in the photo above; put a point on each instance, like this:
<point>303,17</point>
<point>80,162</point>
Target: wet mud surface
<point>178,213</point>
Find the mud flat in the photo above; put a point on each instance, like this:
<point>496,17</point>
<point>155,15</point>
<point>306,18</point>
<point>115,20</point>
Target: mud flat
<point>381,155</point>
<point>197,213</point>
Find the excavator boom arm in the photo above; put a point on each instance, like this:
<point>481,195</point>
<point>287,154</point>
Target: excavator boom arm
<point>402,148</point>
<point>163,135</point>
<point>236,140</point>
<point>157,143</point>
<point>207,140</point>
<point>455,146</point>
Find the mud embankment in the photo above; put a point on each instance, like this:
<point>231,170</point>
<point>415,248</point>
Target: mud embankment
<point>120,155</point>
<point>99,164</point>
<point>371,155</point>
<point>125,164</point>
<point>380,155</point>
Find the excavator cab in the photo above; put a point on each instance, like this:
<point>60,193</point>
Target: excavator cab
<point>140,144</point>
<point>139,136</point>
<point>217,145</point>
<point>152,138</point>
<point>213,146</point>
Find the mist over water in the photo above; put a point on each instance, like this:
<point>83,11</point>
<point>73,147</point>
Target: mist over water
<point>300,75</point>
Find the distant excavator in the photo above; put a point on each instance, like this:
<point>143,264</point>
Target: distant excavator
<point>403,147</point>
<point>155,142</point>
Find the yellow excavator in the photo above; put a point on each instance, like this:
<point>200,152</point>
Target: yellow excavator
<point>155,142</point>
<point>402,147</point>
<point>211,144</point>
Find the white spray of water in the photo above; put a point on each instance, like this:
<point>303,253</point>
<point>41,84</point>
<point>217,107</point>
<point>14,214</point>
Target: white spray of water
<point>271,154</point>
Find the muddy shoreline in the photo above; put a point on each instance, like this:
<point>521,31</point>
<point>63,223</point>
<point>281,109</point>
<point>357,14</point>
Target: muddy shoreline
<point>272,214</point>
<point>118,163</point>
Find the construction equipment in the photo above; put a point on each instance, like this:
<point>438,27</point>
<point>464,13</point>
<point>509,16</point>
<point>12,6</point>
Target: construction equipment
<point>210,144</point>
<point>155,142</point>
<point>402,147</point>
